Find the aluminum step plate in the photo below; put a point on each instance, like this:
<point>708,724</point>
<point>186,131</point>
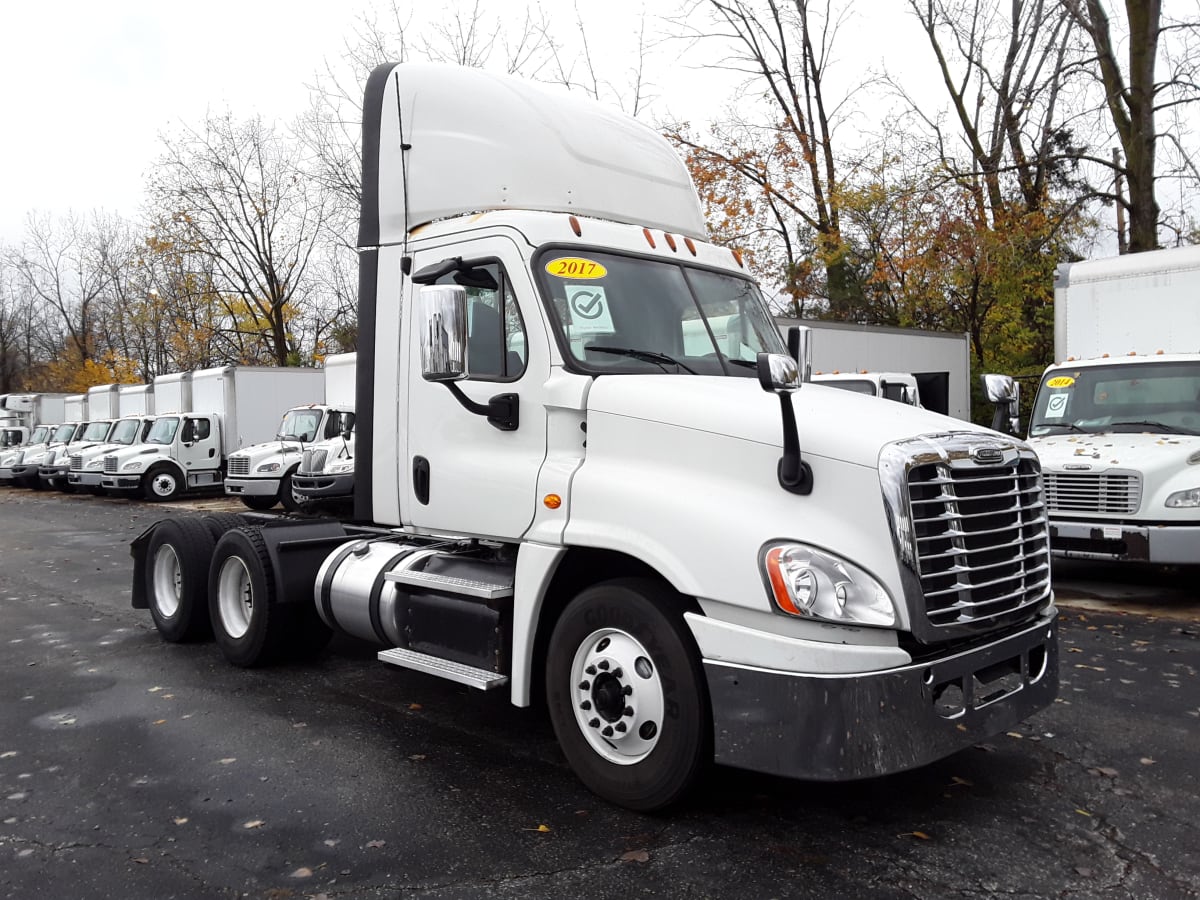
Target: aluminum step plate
<point>467,587</point>
<point>483,679</point>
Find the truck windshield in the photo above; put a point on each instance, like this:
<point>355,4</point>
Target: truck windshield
<point>300,424</point>
<point>626,314</point>
<point>96,431</point>
<point>163,430</point>
<point>125,431</point>
<point>10,438</point>
<point>39,434</point>
<point>63,433</point>
<point>1161,398</point>
<point>857,387</point>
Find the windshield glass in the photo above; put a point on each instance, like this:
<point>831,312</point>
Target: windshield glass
<point>63,433</point>
<point>624,314</point>
<point>11,438</point>
<point>163,430</point>
<point>125,431</point>
<point>300,424</point>
<point>96,431</point>
<point>1151,397</point>
<point>39,434</point>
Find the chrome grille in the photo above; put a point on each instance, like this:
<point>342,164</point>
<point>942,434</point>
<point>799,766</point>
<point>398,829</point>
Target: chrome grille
<point>110,464</point>
<point>239,465</point>
<point>1093,492</point>
<point>76,462</point>
<point>313,461</point>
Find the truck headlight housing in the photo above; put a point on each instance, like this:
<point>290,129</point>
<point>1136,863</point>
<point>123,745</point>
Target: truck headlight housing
<point>268,467</point>
<point>1189,499</point>
<point>809,583</point>
<point>339,467</point>
<point>135,466</point>
<point>95,463</point>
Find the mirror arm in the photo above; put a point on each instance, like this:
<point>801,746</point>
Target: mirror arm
<point>502,410</point>
<point>795,475</point>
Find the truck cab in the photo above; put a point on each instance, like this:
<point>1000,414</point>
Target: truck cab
<point>13,436</point>
<point>56,465</point>
<point>325,476</point>
<point>12,456</point>
<point>87,463</point>
<point>180,452</point>
<point>261,475</point>
<point>898,386</point>
<point>25,472</point>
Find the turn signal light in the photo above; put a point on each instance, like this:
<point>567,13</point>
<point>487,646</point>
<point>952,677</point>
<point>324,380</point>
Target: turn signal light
<point>552,501</point>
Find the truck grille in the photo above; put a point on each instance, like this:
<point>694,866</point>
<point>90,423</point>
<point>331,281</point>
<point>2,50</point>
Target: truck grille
<point>76,462</point>
<point>313,461</point>
<point>110,465</point>
<point>239,465</point>
<point>972,532</point>
<point>1093,492</point>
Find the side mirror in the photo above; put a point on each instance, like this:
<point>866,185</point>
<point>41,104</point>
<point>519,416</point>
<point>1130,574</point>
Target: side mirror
<point>777,372</point>
<point>780,375</point>
<point>189,432</point>
<point>999,388</point>
<point>444,333</point>
<point>1004,391</point>
<point>799,342</point>
<point>347,434</point>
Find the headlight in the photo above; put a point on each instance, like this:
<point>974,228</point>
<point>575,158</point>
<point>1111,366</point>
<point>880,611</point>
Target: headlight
<point>135,466</point>
<point>810,583</point>
<point>1184,499</point>
<point>95,463</point>
<point>339,467</point>
<point>268,467</point>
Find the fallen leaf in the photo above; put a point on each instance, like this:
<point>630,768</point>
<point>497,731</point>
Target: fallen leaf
<point>227,760</point>
<point>254,823</point>
<point>1105,770</point>
<point>1084,812</point>
<point>1015,734</point>
<point>182,820</point>
<point>300,725</point>
<point>1146,761</point>
<point>331,843</point>
<point>963,781</point>
<point>8,754</point>
<point>1084,871</point>
<point>154,690</point>
<point>375,845</point>
<point>1074,650</point>
<point>415,707</point>
<point>417,756</point>
<point>302,872</point>
<point>917,834</point>
<point>541,828</point>
<point>640,856</point>
<point>141,860</point>
<point>159,722</point>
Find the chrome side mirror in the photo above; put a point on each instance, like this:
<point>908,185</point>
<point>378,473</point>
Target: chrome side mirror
<point>444,333</point>
<point>1004,391</point>
<point>777,372</point>
<point>999,388</point>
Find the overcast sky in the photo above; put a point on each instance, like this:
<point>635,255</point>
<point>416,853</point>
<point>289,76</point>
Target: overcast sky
<point>88,86</point>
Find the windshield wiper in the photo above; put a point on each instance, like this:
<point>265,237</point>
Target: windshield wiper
<point>1151,426</point>
<point>651,356</point>
<point>1069,426</point>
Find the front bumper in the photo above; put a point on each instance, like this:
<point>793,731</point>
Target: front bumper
<point>252,487</point>
<point>54,473</point>
<point>323,487</point>
<point>26,474</point>
<point>121,482</point>
<point>1158,543</point>
<point>860,725</point>
<point>85,479</point>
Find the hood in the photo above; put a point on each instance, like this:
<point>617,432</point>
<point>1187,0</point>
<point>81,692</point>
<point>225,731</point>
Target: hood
<point>1114,450</point>
<point>138,449</point>
<point>832,423</point>
<point>259,453</point>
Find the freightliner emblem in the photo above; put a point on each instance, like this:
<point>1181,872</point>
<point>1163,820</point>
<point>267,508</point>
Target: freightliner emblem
<point>987,455</point>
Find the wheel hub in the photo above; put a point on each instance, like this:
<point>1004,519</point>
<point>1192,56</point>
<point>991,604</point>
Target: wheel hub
<point>618,696</point>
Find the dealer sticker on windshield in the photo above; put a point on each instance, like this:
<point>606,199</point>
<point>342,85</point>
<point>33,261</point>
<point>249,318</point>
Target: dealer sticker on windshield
<point>1060,381</point>
<point>575,267</point>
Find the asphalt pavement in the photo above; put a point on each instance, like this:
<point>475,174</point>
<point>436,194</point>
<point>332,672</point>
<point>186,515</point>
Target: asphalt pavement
<point>132,768</point>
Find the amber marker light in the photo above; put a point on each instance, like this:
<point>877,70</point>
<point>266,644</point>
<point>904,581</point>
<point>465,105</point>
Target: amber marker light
<point>552,501</point>
<point>690,244</point>
<point>649,237</point>
<point>670,240</point>
<point>737,256</point>
<point>778,587</point>
<point>575,226</point>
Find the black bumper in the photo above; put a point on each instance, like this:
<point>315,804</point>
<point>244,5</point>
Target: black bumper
<point>323,487</point>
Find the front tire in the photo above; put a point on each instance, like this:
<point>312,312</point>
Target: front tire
<point>259,503</point>
<point>627,695</point>
<point>161,483</point>
<point>249,627</point>
<point>289,500</point>
<point>176,579</point>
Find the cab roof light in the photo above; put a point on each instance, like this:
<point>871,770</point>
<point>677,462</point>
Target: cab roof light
<point>649,238</point>
<point>670,240</point>
<point>575,227</point>
<point>737,257</point>
<point>690,244</point>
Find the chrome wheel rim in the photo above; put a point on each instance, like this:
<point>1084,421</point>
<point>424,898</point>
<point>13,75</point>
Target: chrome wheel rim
<point>235,597</point>
<point>168,581</point>
<point>617,696</point>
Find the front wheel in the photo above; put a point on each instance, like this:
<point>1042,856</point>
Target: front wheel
<point>258,502</point>
<point>161,483</point>
<point>627,694</point>
<point>287,496</point>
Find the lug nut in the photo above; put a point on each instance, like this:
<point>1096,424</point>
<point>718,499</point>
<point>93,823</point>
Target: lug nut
<point>591,670</point>
<point>585,685</point>
<point>603,664</point>
<point>594,723</point>
<point>617,672</point>
<point>628,690</point>
<point>620,726</point>
<point>585,705</point>
<point>627,711</point>
<point>607,732</point>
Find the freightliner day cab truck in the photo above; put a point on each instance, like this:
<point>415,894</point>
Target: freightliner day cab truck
<point>261,475</point>
<point>1116,422</point>
<point>41,413</point>
<point>690,555</point>
<point>899,386</point>
<point>325,477</point>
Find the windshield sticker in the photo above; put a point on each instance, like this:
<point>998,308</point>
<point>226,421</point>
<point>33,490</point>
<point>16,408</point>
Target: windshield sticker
<point>1056,406</point>
<point>575,267</point>
<point>589,310</point>
<point>1061,381</point>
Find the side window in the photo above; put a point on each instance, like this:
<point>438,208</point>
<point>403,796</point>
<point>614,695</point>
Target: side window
<point>201,429</point>
<point>495,329</point>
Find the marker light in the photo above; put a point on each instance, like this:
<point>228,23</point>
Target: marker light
<point>552,501</point>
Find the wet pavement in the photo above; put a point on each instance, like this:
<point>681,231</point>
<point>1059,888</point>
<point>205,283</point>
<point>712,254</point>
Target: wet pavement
<point>132,768</point>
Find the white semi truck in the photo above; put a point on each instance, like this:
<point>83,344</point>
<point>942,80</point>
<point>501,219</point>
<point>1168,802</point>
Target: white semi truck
<point>261,475</point>
<point>325,477</point>
<point>41,414</point>
<point>688,552</point>
<point>101,415</point>
<point>133,405</point>
<point>1116,422</point>
<point>901,387</point>
<point>220,410</point>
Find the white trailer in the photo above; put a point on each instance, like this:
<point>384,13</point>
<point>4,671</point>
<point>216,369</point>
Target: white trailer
<point>135,400</point>
<point>103,401</point>
<point>75,408</point>
<point>1116,422</point>
<point>173,393</point>
<point>940,361</point>
<point>563,487</point>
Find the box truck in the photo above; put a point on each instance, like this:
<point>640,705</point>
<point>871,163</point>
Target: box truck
<point>41,414</point>
<point>689,552</point>
<point>1116,422</point>
<point>261,475</point>
<point>230,407</point>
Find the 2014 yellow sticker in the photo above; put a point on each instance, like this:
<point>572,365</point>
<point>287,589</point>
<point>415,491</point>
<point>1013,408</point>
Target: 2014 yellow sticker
<point>575,267</point>
<point>1060,381</point>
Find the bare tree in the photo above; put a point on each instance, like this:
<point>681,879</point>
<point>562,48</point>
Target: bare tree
<point>237,195</point>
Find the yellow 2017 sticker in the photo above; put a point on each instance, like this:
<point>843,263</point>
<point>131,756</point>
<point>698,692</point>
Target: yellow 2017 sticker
<point>575,267</point>
<point>1061,381</point>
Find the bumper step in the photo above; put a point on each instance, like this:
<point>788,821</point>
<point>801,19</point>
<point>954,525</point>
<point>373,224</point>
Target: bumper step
<point>482,679</point>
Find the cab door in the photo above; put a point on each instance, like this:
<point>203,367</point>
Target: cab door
<point>464,475</point>
<point>199,443</point>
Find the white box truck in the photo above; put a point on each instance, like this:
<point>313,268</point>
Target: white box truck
<point>231,406</point>
<point>135,400</point>
<point>41,414</point>
<point>1116,422</point>
<point>261,475</point>
<point>688,551</point>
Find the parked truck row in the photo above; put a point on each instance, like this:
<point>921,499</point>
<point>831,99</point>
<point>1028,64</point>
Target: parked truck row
<point>588,470</point>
